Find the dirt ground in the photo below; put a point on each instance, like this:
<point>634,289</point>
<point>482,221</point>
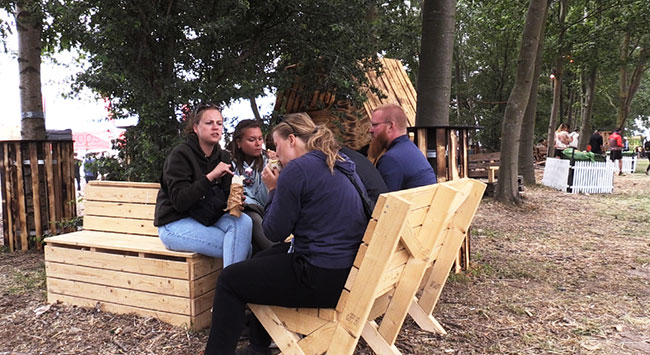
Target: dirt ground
<point>562,274</point>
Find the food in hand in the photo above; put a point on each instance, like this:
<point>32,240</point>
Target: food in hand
<point>236,198</point>
<point>275,164</point>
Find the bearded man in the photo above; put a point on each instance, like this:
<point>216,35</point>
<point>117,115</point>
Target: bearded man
<point>403,166</point>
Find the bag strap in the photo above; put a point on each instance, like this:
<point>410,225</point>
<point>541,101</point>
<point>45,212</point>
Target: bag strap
<point>368,205</point>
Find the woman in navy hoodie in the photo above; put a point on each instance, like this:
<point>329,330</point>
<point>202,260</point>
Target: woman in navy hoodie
<point>312,199</point>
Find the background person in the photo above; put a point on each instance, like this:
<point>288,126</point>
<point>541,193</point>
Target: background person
<point>646,147</point>
<point>248,158</point>
<point>616,149</point>
<point>596,143</point>
<point>194,169</point>
<point>562,139</point>
<point>316,202</point>
<point>403,166</point>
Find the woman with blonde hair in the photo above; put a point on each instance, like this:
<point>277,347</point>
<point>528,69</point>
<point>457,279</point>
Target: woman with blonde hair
<point>313,199</point>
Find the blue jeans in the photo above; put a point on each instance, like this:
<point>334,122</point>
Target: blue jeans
<point>229,238</point>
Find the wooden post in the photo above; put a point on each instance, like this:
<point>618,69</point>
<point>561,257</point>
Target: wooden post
<point>51,196</point>
<point>441,148</point>
<point>24,241</point>
<point>36,192</point>
<point>8,195</point>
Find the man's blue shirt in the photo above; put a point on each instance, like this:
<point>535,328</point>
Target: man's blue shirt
<point>404,166</point>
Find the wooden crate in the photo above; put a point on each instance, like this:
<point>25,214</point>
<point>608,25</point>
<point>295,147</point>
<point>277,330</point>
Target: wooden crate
<point>118,264</point>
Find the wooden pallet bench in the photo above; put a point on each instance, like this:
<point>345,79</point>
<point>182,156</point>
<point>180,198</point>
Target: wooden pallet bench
<point>118,263</point>
<point>484,165</point>
<point>410,244</point>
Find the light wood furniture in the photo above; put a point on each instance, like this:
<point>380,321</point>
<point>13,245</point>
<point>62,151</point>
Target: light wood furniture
<point>410,229</point>
<point>117,262</point>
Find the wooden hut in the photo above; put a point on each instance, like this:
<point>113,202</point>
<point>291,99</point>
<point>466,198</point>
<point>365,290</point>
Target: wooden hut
<point>348,122</point>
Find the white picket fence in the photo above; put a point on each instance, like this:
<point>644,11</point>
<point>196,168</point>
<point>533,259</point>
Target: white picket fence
<point>588,177</point>
<point>629,165</point>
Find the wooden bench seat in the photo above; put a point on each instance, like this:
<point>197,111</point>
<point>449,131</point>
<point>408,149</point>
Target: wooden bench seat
<point>117,263</point>
<point>484,165</point>
<point>409,244</point>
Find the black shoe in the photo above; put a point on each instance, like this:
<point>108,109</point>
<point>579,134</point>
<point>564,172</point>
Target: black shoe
<point>250,350</point>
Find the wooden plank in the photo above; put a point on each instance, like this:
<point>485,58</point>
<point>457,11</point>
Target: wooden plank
<point>22,210</point>
<point>131,184</point>
<point>202,320</point>
<point>120,225</point>
<point>451,158</point>
<point>318,341</point>
<point>203,285</point>
<point>117,241</point>
<point>146,266</point>
<point>178,320</point>
<point>376,341</point>
<point>201,265</point>
<point>202,303</point>
<point>422,140</point>
<point>51,197</point>
<point>125,280</point>
<point>441,153</point>
<point>58,199</point>
<point>139,299</point>
<point>358,305</point>
<point>302,321</point>
<point>99,192</point>
<point>36,194</point>
<point>119,209</point>
<point>70,185</point>
<point>9,197</point>
<point>285,340</point>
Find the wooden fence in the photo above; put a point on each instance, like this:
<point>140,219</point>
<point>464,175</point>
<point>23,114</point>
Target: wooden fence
<point>581,177</point>
<point>36,202</point>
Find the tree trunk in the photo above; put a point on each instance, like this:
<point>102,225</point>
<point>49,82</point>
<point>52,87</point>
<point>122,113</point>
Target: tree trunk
<point>28,24</point>
<point>434,73</point>
<point>557,83</point>
<point>586,128</point>
<point>629,87</point>
<point>527,140</point>
<point>507,189</point>
<point>256,111</point>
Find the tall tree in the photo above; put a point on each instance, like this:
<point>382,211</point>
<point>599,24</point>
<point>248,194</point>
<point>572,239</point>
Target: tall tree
<point>557,77</point>
<point>526,160</point>
<point>507,188</point>
<point>29,20</point>
<point>434,74</point>
<point>629,82</point>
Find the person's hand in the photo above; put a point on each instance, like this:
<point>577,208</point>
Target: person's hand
<point>220,170</point>
<point>271,154</point>
<point>270,177</point>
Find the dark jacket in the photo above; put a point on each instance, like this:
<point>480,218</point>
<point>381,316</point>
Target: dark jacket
<point>323,211</point>
<point>183,180</point>
<point>369,175</point>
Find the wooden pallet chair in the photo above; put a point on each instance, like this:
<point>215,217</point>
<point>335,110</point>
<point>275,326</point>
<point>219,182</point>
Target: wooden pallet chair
<point>118,264</point>
<point>397,247</point>
<point>422,307</point>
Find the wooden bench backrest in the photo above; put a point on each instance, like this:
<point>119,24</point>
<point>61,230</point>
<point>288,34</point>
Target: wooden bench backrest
<point>403,236</point>
<point>120,207</point>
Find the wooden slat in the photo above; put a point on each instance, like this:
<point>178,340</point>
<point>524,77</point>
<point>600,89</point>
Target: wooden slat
<point>384,243</point>
<point>171,318</point>
<point>51,196</point>
<point>58,199</point>
<point>302,321</point>
<point>36,194</point>
<point>318,341</point>
<point>9,198</point>
<point>147,266</point>
<point>287,341</point>
<point>146,300</point>
<point>117,241</point>
<point>203,285</point>
<point>120,225</point>
<point>98,192</point>
<point>22,211</point>
<point>376,341</point>
<point>119,279</point>
<point>201,265</point>
<point>202,303</point>
<point>441,149</point>
<point>119,209</point>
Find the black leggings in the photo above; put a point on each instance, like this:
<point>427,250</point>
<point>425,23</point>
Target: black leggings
<point>272,277</point>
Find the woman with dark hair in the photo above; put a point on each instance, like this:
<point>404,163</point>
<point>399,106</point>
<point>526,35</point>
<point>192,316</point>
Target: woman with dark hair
<point>248,159</point>
<point>197,171</point>
<point>313,199</point>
